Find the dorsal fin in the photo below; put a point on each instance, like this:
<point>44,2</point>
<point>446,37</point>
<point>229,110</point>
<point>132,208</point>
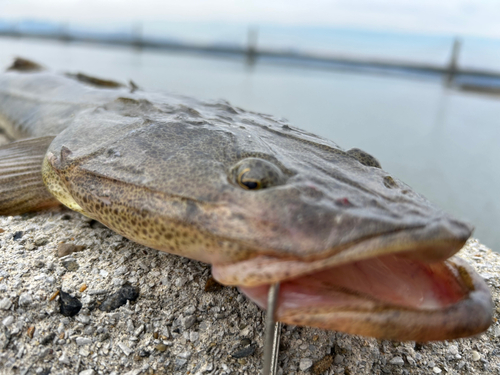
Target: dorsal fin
<point>94,81</point>
<point>25,65</point>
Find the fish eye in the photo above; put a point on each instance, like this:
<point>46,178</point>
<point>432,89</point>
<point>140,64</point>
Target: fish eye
<point>256,174</point>
<point>248,183</point>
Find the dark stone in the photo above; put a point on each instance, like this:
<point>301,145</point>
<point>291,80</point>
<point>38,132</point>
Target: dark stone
<point>120,298</point>
<point>245,352</point>
<point>48,339</point>
<point>212,285</point>
<point>70,306</point>
<point>94,224</point>
<point>18,235</point>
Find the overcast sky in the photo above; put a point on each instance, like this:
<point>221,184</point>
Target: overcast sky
<point>462,17</point>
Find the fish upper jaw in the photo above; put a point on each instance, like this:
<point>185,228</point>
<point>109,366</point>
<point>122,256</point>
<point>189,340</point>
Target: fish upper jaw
<point>431,243</point>
<point>395,286</point>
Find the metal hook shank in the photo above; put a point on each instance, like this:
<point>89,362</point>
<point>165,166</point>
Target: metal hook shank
<point>273,331</point>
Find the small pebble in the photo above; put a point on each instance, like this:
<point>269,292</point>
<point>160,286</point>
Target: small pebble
<point>64,249</point>
<point>125,348</point>
<point>64,359</point>
<point>305,364</point>
<point>436,370</point>
<point>71,265</point>
<point>41,241</point>
<point>25,299</point>
<point>189,321</point>
<point>8,321</point>
<point>81,341</point>
<point>31,331</point>
<point>48,339</point>
<point>338,359</point>
<point>69,306</point>
<point>87,372</point>
<point>245,352</point>
<point>398,361</point>
<point>496,331</point>
<point>5,303</point>
<point>120,298</point>
<point>161,347</point>
<point>475,356</point>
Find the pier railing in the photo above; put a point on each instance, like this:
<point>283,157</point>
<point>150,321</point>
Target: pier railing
<point>252,54</point>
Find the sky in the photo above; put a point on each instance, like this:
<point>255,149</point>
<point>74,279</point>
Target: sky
<point>449,17</point>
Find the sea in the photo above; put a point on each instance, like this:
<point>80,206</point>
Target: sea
<point>443,142</point>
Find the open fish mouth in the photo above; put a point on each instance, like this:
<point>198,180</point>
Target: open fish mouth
<point>388,297</point>
<point>399,295</point>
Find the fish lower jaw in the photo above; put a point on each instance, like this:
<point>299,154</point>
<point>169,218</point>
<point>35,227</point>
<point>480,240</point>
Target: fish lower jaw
<point>389,297</point>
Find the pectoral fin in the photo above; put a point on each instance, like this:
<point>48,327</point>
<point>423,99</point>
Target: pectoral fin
<point>21,184</point>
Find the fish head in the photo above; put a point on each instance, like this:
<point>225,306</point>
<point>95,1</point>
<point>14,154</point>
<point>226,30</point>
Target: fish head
<point>265,202</point>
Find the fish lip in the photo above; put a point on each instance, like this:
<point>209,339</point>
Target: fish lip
<point>434,242</point>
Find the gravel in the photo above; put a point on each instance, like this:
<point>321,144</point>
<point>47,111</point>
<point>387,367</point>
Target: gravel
<point>176,325</point>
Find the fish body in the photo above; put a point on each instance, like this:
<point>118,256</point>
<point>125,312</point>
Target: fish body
<point>354,248</point>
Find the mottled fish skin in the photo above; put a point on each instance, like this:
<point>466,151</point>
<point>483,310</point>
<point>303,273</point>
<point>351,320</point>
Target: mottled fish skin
<point>212,182</point>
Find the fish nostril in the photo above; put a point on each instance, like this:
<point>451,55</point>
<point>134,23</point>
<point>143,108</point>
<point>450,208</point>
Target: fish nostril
<point>389,182</point>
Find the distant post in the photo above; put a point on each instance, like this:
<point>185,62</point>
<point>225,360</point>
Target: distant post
<point>137,35</point>
<point>453,65</point>
<point>251,52</point>
<point>64,34</point>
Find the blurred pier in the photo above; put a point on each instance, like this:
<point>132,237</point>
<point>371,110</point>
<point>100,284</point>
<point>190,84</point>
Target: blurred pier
<point>478,80</point>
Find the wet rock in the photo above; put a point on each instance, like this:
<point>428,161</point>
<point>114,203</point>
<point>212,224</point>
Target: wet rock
<point>69,306</point>
<point>120,298</point>
<point>64,249</point>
